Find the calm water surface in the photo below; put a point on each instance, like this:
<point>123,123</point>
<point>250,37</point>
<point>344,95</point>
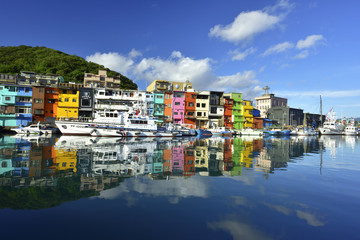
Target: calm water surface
<point>215,188</point>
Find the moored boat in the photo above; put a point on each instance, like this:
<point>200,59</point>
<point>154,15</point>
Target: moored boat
<point>331,126</point>
<point>251,132</point>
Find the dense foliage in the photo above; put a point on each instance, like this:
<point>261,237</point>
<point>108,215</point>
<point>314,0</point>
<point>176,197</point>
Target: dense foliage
<point>44,60</point>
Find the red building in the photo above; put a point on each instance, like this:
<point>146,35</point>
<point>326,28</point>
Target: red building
<point>190,100</point>
<point>228,105</point>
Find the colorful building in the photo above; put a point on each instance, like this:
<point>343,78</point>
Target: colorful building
<point>23,105</point>
<point>178,107</point>
<point>68,104</point>
<point>228,115</point>
<point>51,103</point>
<point>168,106</point>
<point>238,118</point>
<point>190,102</point>
<point>247,110</point>
<point>7,105</point>
<point>159,106</point>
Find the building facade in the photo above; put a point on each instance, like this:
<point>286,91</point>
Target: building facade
<point>164,85</point>
<point>266,101</point>
<point>190,102</point>
<point>202,109</point>
<point>286,116</point>
<point>216,109</point>
<point>247,110</point>
<point>101,80</point>
<point>179,107</point>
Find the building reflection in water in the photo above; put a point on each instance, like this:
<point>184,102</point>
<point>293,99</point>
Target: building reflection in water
<point>37,157</point>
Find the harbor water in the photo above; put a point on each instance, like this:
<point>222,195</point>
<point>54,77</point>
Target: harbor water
<point>68,187</point>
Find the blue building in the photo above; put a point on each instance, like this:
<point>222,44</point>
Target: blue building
<point>23,105</point>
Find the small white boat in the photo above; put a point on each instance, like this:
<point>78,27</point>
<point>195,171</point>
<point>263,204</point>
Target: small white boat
<point>251,132</point>
<point>351,131</point>
<point>304,132</point>
<point>35,129</point>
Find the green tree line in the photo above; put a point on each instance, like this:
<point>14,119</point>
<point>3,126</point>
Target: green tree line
<point>42,60</point>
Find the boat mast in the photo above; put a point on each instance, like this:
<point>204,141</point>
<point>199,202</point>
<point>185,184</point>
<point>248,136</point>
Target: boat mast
<point>321,111</point>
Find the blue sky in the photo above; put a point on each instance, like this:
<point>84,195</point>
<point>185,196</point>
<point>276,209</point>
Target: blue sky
<point>301,49</point>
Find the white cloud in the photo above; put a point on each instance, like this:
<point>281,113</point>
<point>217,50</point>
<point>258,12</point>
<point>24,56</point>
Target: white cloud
<point>236,55</point>
<point>310,218</point>
<point>302,55</point>
<point>178,68</point>
<point>281,47</point>
<point>309,41</point>
<point>113,61</point>
<point>247,24</point>
<point>134,53</point>
<point>237,229</point>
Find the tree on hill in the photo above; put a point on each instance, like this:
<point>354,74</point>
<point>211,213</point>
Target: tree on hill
<point>44,60</point>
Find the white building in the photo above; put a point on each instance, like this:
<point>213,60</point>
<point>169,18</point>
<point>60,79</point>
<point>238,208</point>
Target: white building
<point>267,101</point>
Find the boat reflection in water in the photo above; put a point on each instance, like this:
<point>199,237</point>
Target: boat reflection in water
<point>159,158</point>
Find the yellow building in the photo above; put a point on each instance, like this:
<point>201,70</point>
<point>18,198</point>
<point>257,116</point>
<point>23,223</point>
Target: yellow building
<point>164,85</point>
<point>68,104</point>
<point>201,158</point>
<point>247,156</point>
<point>247,109</point>
<point>66,160</point>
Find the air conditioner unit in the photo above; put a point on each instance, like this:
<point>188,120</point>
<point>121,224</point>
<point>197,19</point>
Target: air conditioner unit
<point>17,114</point>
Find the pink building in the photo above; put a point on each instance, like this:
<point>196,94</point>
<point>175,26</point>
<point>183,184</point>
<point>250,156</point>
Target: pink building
<point>177,160</point>
<point>178,107</point>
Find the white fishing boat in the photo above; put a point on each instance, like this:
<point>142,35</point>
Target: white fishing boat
<point>251,132</point>
<point>331,126</point>
<point>351,129</point>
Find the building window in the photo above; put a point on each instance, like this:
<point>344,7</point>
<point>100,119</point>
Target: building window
<point>41,90</point>
<point>64,91</point>
<point>175,113</point>
<point>169,105</point>
<point>198,114</point>
<point>213,110</point>
<point>74,100</point>
<point>191,104</point>
<point>198,105</point>
<point>203,105</point>
<point>37,100</point>
<point>66,100</point>
<point>177,103</point>
<point>60,100</point>
<point>7,98</point>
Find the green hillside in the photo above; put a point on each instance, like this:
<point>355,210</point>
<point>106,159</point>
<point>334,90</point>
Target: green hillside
<point>46,60</point>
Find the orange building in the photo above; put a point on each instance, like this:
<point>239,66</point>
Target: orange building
<point>227,155</point>
<point>228,105</point>
<point>168,97</point>
<point>190,100</point>
<point>167,161</point>
<point>51,102</point>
